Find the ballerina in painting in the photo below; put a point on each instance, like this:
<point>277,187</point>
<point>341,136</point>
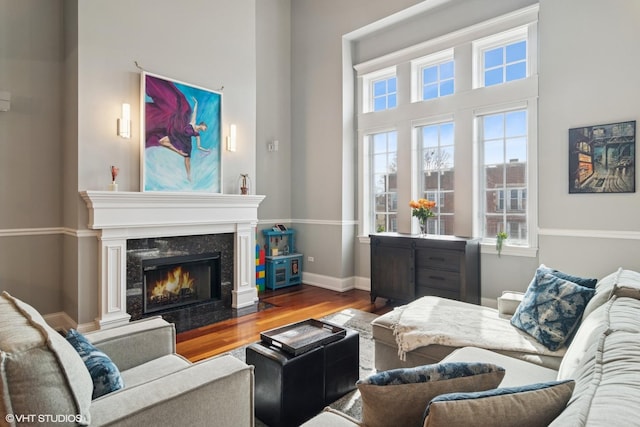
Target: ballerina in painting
<point>170,120</point>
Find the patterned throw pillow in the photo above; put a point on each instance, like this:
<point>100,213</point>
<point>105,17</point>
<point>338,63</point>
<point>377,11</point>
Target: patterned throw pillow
<point>551,309</point>
<point>104,373</point>
<point>530,405</point>
<point>399,396</point>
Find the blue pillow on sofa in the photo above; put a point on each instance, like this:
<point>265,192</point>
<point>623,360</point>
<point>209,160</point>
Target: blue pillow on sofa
<point>104,373</point>
<point>582,281</point>
<point>551,309</point>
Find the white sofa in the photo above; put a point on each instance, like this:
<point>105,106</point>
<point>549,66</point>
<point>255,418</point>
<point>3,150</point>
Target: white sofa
<point>44,381</point>
<point>603,358</point>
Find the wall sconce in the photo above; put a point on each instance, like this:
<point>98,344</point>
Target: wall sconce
<point>231,139</point>
<point>124,122</point>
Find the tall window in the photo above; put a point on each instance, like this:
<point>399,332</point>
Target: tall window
<point>437,178</point>
<point>472,93</point>
<point>504,153</point>
<point>384,167</point>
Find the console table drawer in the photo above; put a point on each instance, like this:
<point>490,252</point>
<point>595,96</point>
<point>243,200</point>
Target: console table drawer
<point>438,279</point>
<point>438,260</point>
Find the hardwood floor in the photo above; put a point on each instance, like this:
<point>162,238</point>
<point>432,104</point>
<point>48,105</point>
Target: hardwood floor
<point>289,305</point>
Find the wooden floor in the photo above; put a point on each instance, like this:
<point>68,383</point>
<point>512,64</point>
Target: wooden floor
<point>290,305</point>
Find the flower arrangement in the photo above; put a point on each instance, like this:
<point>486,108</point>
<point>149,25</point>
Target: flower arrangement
<point>114,173</point>
<point>422,209</point>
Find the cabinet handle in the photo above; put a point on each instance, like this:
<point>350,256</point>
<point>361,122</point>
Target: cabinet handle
<point>434,258</point>
<point>437,278</point>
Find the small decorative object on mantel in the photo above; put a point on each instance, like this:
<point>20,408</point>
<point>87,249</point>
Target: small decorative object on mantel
<point>114,173</point>
<point>245,183</point>
<point>500,238</point>
<point>422,209</point>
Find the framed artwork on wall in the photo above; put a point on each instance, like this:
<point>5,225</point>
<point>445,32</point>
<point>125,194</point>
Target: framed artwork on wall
<point>602,158</point>
<point>181,146</point>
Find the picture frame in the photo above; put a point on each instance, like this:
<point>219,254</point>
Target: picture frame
<point>181,136</point>
<point>602,158</point>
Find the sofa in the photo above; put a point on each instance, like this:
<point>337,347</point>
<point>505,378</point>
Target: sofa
<point>45,380</point>
<point>598,363</point>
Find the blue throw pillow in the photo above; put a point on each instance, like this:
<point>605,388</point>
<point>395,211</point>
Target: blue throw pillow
<point>104,373</point>
<point>435,372</point>
<point>582,281</point>
<point>551,309</point>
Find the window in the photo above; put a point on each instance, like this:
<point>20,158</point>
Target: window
<point>505,63</point>
<point>437,80</point>
<point>504,169</point>
<point>501,58</point>
<point>384,162</point>
<point>384,94</point>
<point>437,120</point>
<point>435,75</point>
<point>437,174</point>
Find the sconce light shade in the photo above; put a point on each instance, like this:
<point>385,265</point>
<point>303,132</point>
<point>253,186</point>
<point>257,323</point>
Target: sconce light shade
<point>124,122</point>
<point>231,139</point>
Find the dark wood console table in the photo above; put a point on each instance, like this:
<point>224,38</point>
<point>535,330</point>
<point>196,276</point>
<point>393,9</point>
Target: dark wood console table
<point>405,267</point>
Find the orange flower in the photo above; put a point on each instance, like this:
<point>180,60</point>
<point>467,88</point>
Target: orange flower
<point>422,208</point>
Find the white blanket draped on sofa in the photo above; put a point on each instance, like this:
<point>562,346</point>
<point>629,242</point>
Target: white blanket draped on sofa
<point>432,320</point>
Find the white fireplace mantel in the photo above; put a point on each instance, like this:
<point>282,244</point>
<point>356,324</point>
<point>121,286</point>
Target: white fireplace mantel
<point>120,215</point>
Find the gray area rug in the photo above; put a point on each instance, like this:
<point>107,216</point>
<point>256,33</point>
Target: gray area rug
<point>357,320</point>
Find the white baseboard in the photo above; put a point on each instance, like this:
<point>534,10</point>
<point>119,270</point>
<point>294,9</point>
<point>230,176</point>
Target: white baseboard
<point>61,321</point>
<point>328,282</point>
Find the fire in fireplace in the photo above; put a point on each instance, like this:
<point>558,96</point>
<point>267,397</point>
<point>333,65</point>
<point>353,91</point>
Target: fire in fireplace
<point>175,281</point>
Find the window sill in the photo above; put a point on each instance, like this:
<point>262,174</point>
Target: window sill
<point>521,251</point>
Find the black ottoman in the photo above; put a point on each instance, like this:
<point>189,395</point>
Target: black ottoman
<point>341,366</point>
<point>288,389</point>
<point>291,389</point>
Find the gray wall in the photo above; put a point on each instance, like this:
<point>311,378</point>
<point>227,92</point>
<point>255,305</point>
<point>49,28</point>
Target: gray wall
<point>31,49</point>
<point>69,65</point>
<point>588,76</point>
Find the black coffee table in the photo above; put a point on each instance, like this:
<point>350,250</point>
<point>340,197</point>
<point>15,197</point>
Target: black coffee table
<point>291,387</point>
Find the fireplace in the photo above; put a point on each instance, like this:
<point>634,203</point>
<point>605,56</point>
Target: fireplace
<point>177,281</point>
<point>118,217</point>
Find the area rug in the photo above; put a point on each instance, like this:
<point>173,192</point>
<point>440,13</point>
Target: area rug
<point>357,320</point>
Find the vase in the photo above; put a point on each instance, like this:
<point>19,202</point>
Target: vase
<point>423,227</point>
<point>245,183</point>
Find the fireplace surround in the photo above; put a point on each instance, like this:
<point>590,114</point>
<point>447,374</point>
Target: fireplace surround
<point>121,216</point>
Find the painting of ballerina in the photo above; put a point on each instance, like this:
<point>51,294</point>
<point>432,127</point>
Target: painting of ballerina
<point>182,136</point>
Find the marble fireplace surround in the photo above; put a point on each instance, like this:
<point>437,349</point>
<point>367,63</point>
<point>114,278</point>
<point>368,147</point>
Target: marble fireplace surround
<point>120,215</point>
